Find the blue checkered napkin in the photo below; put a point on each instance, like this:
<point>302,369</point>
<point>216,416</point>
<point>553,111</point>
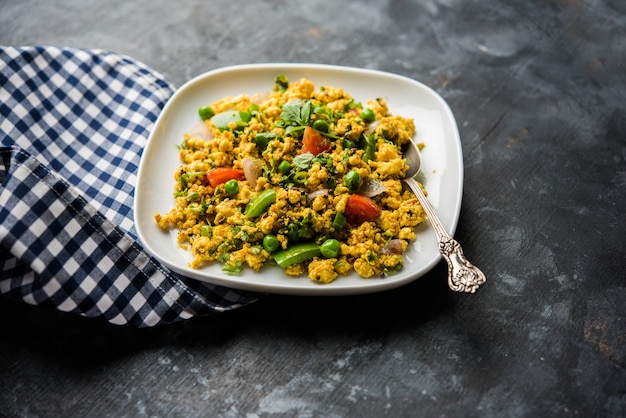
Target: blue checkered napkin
<point>73,124</point>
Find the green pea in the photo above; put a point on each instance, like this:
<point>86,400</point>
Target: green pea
<point>330,248</point>
<point>352,180</point>
<point>368,115</point>
<point>206,112</point>
<point>284,167</point>
<point>231,186</point>
<point>271,243</point>
<point>321,125</point>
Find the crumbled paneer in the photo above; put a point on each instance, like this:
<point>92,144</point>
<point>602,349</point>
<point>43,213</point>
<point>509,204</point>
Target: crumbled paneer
<point>269,178</point>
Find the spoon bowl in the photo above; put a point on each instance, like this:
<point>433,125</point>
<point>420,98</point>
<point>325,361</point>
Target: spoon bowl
<point>463,276</point>
<point>413,159</point>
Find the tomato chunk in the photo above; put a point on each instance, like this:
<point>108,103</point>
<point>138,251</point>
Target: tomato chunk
<point>313,142</point>
<point>221,175</point>
<point>361,208</point>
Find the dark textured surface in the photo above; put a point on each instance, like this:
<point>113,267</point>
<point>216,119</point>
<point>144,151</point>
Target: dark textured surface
<point>539,92</point>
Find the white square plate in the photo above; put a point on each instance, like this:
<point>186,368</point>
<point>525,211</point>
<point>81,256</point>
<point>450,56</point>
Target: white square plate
<point>442,169</point>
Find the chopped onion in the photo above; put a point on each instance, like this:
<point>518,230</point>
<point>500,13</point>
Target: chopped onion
<point>252,170</point>
<point>392,247</point>
<point>371,188</point>
<point>260,98</point>
<point>200,130</point>
<point>316,193</point>
<point>372,126</point>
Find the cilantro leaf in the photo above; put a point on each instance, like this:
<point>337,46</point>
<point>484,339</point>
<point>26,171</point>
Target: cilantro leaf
<point>305,112</point>
<point>291,129</point>
<point>297,112</point>
<point>304,161</point>
<point>327,162</point>
<point>291,111</point>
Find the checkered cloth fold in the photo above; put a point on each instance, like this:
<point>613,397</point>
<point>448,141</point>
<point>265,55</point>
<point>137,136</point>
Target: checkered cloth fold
<point>73,123</point>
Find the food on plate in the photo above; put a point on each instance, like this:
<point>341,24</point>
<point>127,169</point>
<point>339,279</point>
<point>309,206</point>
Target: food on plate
<point>307,179</point>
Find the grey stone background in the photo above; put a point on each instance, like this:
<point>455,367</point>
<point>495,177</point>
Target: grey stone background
<point>539,92</point>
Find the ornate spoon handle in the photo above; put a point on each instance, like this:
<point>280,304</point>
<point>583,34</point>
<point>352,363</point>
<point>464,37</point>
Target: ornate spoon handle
<point>463,276</point>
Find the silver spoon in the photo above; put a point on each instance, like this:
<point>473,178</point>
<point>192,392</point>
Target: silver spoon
<point>463,276</point>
